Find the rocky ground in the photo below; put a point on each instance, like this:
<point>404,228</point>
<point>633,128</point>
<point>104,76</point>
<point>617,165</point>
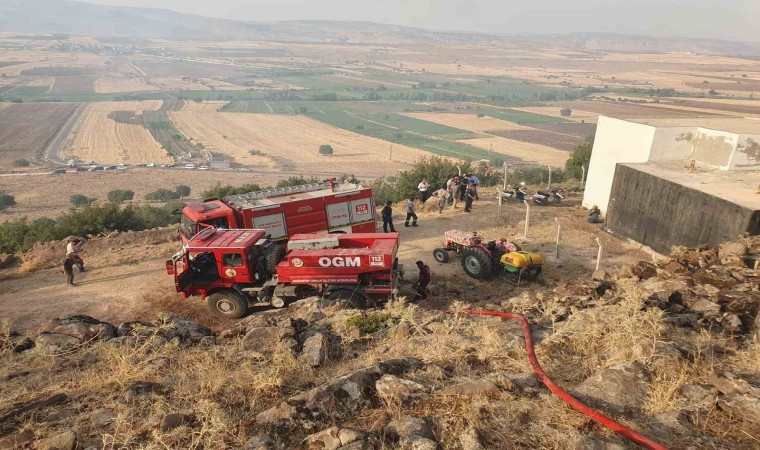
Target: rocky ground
<point>669,348</point>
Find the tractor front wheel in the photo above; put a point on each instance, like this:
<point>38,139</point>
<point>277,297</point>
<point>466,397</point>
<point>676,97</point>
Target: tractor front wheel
<point>441,255</point>
<point>227,304</point>
<point>477,263</point>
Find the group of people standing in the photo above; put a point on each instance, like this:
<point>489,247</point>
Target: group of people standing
<point>456,188</point>
<point>459,188</point>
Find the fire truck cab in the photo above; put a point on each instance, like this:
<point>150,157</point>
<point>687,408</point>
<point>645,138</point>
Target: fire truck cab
<point>284,212</point>
<point>234,269</point>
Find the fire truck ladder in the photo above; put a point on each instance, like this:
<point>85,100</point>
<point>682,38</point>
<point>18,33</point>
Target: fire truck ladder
<point>277,192</point>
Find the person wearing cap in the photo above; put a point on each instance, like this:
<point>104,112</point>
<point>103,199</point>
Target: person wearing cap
<point>422,282</point>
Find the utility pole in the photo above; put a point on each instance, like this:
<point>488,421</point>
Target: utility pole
<point>390,157</point>
<point>599,254</point>
<point>505,177</point>
<point>549,185</point>
<point>527,217</point>
<point>559,230</point>
<point>583,178</point>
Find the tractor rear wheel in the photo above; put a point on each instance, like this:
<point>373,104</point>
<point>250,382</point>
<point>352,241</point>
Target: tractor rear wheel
<point>227,304</point>
<point>477,263</point>
<point>348,298</point>
<point>441,255</point>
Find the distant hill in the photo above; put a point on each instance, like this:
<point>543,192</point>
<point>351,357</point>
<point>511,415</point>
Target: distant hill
<point>79,18</point>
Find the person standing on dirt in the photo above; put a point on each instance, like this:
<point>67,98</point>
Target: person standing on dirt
<point>72,251</point>
<point>473,180</point>
<point>463,183</point>
<point>68,269</point>
<point>451,186</point>
<point>422,282</point>
<point>469,197</point>
<point>442,195</point>
<point>410,213</point>
<point>424,189</point>
<point>387,214</point>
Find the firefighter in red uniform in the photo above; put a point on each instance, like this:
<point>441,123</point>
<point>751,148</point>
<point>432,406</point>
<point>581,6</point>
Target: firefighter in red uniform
<point>423,281</point>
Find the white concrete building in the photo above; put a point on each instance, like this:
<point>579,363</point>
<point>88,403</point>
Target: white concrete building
<point>713,143</point>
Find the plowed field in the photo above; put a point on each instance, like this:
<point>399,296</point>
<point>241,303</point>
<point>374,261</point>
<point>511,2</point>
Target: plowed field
<point>291,141</point>
<point>25,129</point>
<point>109,85</point>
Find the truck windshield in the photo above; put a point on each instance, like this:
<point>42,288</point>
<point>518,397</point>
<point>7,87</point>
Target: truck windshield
<point>188,227</point>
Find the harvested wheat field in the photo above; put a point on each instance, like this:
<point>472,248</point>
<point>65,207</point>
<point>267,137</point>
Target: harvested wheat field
<point>100,138</point>
<point>137,106</point>
<point>206,106</point>
<point>469,122</point>
<point>523,150</point>
<point>291,142</point>
<point>108,85</point>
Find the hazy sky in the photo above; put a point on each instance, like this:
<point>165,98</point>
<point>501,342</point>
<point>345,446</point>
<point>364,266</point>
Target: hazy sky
<point>722,19</point>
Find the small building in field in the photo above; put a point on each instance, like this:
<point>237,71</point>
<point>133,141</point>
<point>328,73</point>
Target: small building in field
<point>668,182</point>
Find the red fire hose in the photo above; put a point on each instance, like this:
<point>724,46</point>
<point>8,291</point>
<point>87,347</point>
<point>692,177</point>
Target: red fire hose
<point>595,415</point>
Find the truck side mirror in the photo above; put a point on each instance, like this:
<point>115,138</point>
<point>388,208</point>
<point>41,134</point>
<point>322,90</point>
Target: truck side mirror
<point>170,267</point>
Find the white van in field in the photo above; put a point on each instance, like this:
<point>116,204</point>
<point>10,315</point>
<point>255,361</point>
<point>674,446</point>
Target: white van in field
<point>190,166</point>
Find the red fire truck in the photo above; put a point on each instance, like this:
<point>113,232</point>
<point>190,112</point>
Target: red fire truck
<point>312,208</point>
<point>233,269</point>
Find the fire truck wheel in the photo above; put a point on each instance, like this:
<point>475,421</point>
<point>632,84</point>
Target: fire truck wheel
<point>441,255</point>
<point>350,299</point>
<point>227,305</point>
<point>273,257</point>
<point>477,263</point>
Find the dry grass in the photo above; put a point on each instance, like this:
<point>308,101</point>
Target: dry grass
<point>525,151</point>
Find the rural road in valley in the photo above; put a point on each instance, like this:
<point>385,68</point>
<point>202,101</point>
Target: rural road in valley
<point>54,147</point>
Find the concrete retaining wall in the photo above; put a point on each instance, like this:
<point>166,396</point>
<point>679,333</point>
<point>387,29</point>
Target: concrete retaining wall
<point>662,214</point>
<point>616,141</point>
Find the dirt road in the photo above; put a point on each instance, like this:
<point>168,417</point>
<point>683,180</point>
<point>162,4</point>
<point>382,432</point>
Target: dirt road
<point>126,285</point>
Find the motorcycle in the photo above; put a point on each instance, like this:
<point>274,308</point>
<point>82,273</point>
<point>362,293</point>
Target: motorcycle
<point>513,194</point>
<point>555,196</point>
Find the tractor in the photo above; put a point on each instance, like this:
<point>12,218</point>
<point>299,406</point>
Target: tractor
<point>479,260</point>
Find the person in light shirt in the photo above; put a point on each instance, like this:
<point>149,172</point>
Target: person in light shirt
<point>73,248</point>
<point>424,189</point>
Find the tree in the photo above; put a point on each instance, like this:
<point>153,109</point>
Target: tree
<point>182,190</point>
<point>21,163</point>
<point>296,181</point>
<point>565,112</point>
<point>326,149</point>
<point>80,200</point>
<point>161,195</point>
<point>120,196</point>
<point>580,157</point>
<point>6,201</point>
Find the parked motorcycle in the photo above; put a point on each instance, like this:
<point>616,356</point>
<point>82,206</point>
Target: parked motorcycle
<point>554,196</point>
<point>513,194</point>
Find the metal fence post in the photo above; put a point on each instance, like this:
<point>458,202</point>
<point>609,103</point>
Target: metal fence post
<point>583,178</point>
<point>599,254</point>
